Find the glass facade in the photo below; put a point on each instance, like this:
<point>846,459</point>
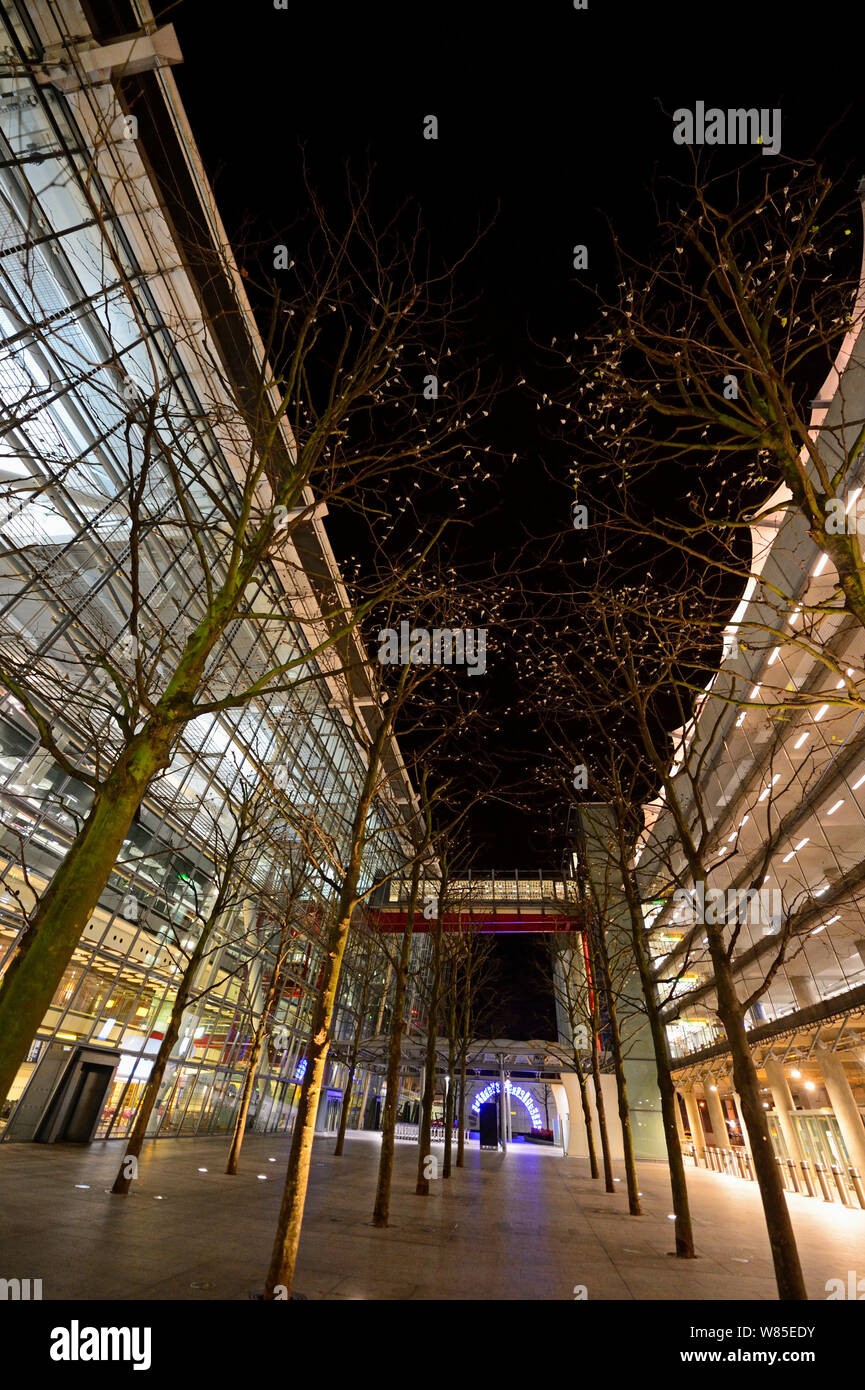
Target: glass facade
<point>98,312</point>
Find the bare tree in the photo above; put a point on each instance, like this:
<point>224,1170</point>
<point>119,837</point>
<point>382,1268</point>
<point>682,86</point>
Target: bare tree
<point>565,974</point>
<point>209,505</point>
<point>287,900</point>
<point>367,957</point>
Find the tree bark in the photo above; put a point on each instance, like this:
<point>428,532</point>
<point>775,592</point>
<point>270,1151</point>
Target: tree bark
<point>381,1209</point>
<point>602,955</point>
<point>678,1183</point>
<point>600,1108</point>
<point>424,1143</point>
<point>280,1276</point>
<point>352,1067</point>
<point>381,1008</point>
<point>252,1063</point>
<point>782,1241</point>
<point>346,1106</point>
<point>451,1081</point>
<point>245,1098</point>
<point>33,975</point>
<point>587,1118</point>
<point>461,1113</point>
<point>124,1179</point>
<point>449,1112</point>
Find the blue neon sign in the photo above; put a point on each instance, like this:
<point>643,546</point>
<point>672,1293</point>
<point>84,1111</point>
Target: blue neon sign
<point>519,1093</point>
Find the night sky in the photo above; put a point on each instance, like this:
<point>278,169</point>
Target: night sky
<point>552,121</point>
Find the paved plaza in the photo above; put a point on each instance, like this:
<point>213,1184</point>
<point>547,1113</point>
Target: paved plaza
<point>528,1225</point>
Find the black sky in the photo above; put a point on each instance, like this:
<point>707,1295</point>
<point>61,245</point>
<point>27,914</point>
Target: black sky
<point>551,121</point>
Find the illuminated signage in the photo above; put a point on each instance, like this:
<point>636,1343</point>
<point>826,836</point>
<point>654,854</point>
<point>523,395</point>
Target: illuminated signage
<point>518,1092</point>
<point>300,1069</point>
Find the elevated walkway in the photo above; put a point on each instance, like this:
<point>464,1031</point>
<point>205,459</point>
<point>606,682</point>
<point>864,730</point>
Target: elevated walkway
<point>500,901</point>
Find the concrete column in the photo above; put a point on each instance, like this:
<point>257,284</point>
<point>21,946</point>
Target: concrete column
<point>844,1105</point>
<point>721,1135</point>
<point>696,1125</point>
<point>783,1105</point>
<point>503,1106</point>
<point>804,990</point>
<point>598,822</point>
<point>422,1087</point>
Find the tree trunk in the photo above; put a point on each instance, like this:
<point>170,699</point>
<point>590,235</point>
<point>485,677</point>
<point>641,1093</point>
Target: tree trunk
<point>587,1118</point>
<point>280,1276</point>
<point>678,1183</point>
<point>461,1113</point>
<point>782,1241</point>
<point>381,1209</point>
<point>346,1106</point>
<point>352,1067</point>
<point>424,1143</point>
<point>124,1179</point>
<point>252,1064</point>
<point>600,1108</point>
<point>449,1120</point>
<point>245,1098</point>
<point>381,1007</point>
<point>34,974</point>
<point>619,1069</point>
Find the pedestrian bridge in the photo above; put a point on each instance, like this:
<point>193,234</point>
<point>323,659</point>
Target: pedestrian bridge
<point>502,901</point>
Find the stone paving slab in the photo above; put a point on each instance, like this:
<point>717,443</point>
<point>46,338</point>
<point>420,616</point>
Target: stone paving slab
<point>528,1226</point>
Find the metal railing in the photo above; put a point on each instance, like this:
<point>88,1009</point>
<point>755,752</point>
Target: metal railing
<point>437,1133</point>
<point>833,1184</point>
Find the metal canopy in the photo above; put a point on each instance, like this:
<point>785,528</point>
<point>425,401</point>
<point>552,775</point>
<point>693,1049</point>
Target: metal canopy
<point>484,1054</point>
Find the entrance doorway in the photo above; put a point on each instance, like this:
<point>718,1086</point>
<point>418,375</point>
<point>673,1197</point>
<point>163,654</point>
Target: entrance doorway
<point>72,1113</point>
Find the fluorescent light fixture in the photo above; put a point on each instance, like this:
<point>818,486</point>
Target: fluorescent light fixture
<point>754,691</point>
<point>818,892</point>
<point>821,711</point>
<point>788,857</point>
<point>774,657</point>
<point>742,821</point>
<point>800,740</point>
<point>802,843</point>
<point>854,495</point>
<point>766,792</point>
<point>857,785</point>
<point>794,615</point>
<point>834,808</point>
<point>836,918</point>
<point>740,721</point>
<point>820,565</point>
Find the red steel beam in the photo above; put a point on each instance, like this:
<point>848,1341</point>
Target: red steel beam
<point>395,920</point>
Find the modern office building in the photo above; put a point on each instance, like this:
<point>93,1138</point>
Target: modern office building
<point>774,760</point>
<point>102,193</point>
